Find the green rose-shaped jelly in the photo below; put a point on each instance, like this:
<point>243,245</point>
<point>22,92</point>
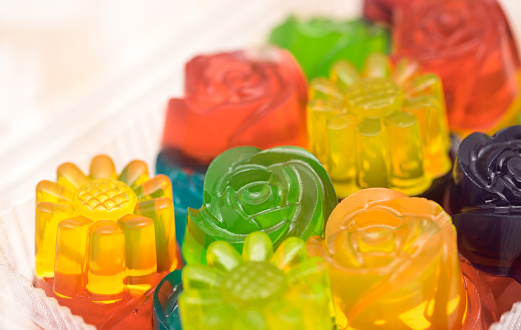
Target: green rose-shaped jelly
<point>283,191</point>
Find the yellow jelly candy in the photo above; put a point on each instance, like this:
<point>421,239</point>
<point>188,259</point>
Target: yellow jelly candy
<point>103,233</point>
<point>382,127</point>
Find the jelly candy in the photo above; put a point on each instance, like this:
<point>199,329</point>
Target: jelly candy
<point>254,97</point>
<point>382,11</point>
<point>283,192</point>
<point>166,302</point>
<point>103,237</point>
<point>394,264</point>
<point>486,201</point>
<point>261,289</point>
<point>470,45</point>
<point>383,127</point>
<point>319,42</point>
<point>187,185</point>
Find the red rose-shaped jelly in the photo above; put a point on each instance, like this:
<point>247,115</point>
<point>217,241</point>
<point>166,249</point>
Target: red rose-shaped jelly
<point>254,97</point>
<point>469,44</point>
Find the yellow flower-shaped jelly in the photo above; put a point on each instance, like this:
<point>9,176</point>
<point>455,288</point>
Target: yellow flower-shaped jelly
<point>383,127</point>
<point>102,233</point>
<point>394,264</point>
<point>259,290</point>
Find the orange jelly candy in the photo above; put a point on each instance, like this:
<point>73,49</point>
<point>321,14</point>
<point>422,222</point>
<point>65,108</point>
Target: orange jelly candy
<point>103,238</point>
<point>394,264</point>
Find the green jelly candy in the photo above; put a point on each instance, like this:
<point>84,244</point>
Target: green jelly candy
<point>283,191</point>
<point>320,42</point>
<point>265,289</point>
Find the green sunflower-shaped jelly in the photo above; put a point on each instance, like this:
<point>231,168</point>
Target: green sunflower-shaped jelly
<point>259,290</point>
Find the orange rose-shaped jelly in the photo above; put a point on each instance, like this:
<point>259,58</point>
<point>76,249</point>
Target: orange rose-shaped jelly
<point>394,265</point>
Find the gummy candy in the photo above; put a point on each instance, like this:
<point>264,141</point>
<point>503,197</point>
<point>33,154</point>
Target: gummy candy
<point>251,97</point>
<point>470,45</point>
<point>166,302</point>
<point>383,127</point>
<point>187,185</point>
<point>394,263</point>
<point>486,201</point>
<point>319,42</point>
<point>282,191</point>
<point>382,11</point>
<point>261,289</point>
<point>103,238</point>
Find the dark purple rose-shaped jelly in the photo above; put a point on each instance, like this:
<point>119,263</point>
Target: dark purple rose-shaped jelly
<point>486,201</point>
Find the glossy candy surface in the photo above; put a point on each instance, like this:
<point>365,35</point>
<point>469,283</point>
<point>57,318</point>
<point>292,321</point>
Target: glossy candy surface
<point>486,201</point>
<point>166,302</point>
<point>382,11</point>
<point>382,127</point>
<point>259,290</point>
<point>470,45</point>
<point>283,192</point>
<point>187,185</point>
<point>317,43</point>
<point>102,235</point>
<point>253,97</point>
<point>394,264</point>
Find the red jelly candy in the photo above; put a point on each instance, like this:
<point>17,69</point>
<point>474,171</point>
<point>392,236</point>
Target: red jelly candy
<point>382,10</point>
<point>469,44</point>
<point>254,97</point>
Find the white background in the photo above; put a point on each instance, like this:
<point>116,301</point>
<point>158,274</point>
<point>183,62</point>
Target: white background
<point>63,61</point>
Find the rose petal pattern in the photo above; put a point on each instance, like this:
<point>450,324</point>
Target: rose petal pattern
<point>486,201</point>
<point>393,261</point>
<point>250,97</point>
<point>282,191</point>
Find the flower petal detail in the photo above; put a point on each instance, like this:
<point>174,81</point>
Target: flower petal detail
<point>257,247</point>
<point>102,167</point>
<point>486,199</point>
<point>197,276</point>
<point>246,97</point>
<point>48,216</point>
<point>140,251</point>
<point>282,192</point>
<point>161,211</point>
<point>255,292</point>
<point>290,253</point>
<point>384,248</point>
<point>72,244</point>
<point>106,262</point>
<point>157,187</point>
<point>470,46</point>
<point>134,174</point>
<point>48,191</point>
<point>222,256</point>
<point>384,126</point>
<point>70,176</point>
